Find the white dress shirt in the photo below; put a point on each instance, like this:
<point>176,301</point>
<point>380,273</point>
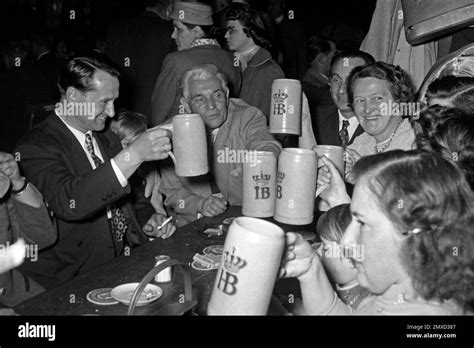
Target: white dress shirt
<point>81,138</point>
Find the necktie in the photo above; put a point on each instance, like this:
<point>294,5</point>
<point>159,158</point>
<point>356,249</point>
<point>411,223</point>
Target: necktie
<point>210,157</point>
<point>118,221</point>
<point>344,134</point>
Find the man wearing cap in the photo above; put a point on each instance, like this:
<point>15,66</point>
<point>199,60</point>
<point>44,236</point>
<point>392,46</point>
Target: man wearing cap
<point>193,35</point>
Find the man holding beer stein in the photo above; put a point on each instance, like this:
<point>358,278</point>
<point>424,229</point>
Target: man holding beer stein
<point>235,132</point>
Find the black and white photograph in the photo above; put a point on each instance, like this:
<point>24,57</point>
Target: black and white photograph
<point>223,171</point>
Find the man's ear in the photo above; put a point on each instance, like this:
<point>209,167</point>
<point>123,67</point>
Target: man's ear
<point>72,94</point>
<point>322,58</point>
<point>184,106</point>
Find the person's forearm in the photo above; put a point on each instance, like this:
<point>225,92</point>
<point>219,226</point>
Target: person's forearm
<point>29,196</point>
<point>316,290</point>
<point>128,162</point>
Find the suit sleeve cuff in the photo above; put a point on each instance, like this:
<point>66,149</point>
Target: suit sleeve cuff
<point>121,178</point>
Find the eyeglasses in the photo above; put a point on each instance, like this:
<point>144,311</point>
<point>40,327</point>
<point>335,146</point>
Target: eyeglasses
<point>217,96</point>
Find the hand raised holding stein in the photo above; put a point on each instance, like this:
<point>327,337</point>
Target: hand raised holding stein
<point>152,145</point>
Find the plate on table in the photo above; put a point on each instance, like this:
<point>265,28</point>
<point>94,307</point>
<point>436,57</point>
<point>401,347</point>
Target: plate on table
<point>123,293</point>
<point>101,297</point>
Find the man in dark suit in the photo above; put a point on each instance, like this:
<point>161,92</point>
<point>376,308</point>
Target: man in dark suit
<point>337,124</point>
<point>83,173</point>
<point>315,82</point>
<point>139,45</point>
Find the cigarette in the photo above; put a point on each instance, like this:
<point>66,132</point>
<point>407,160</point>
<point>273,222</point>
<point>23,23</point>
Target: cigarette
<point>164,223</point>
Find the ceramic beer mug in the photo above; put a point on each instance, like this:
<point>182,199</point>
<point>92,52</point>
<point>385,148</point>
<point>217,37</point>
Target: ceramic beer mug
<point>296,186</point>
<point>189,144</point>
<point>259,184</point>
<point>334,153</point>
<point>285,111</point>
<point>249,267</point>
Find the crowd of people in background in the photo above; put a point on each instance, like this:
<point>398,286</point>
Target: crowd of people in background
<point>87,188</point>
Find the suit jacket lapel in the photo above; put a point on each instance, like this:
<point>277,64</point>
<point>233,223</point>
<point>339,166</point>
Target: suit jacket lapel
<point>359,130</point>
<point>72,148</point>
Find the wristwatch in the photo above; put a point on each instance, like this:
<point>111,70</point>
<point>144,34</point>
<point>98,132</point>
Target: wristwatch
<point>22,189</point>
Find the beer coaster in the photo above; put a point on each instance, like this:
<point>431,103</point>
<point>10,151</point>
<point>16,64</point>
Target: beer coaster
<point>200,267</point>
<point>216,250</point>
<point>101,297</point>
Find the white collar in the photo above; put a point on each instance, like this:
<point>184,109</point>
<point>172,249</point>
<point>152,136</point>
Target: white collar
<point>342,118</point>
<point>80,136</point>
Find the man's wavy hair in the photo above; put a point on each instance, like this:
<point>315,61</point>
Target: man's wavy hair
<point>422,190</point>
<point>250,20</point>
<point>398,81</point>
<point>449,132</point>
<point>78,72</point>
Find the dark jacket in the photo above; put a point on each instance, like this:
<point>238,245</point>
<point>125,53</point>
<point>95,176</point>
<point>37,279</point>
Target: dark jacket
<point>19,220</point>
<point>326,127</point>
<point>316,88</point>
<point>54,161</point>
<point>138,46</point>
<point>257,80</point>
<point>166,94</point>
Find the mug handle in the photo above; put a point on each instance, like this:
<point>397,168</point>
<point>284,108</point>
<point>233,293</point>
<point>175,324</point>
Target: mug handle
<point>170,153</point>
<point>168,127</point>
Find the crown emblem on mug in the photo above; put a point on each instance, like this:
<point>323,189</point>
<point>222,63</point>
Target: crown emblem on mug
<point>280,177</point>
<point>232,262</point>
<point>280,96</point>
<point>262,179</point>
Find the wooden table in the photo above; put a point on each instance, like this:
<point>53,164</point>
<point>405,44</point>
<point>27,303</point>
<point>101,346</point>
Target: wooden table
<point>70,298</point>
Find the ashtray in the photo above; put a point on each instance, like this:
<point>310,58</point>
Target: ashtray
<point>214,231</point>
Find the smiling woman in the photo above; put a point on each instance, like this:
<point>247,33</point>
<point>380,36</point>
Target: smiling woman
<point>374,90</point>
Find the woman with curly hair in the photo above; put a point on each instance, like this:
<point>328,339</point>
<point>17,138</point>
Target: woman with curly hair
<point>381,95</point>
<point>452,91</point>
<point>449,132</point>
<point>410,240</point>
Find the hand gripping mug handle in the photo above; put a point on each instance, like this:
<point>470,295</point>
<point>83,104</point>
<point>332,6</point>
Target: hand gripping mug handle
<point>168,127</point>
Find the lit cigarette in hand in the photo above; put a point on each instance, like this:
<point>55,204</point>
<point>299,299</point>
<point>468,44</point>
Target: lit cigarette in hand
<point>164,223</point>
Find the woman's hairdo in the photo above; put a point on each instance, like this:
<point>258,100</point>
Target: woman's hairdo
<point>250,20</point>
<point>78,72</point>
<point>399,83</point>
<point>428,199</point>
<point>449,132</point>
<point>458,91</point>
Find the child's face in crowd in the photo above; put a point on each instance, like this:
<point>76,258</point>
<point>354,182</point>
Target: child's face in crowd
<point>338,267</point>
